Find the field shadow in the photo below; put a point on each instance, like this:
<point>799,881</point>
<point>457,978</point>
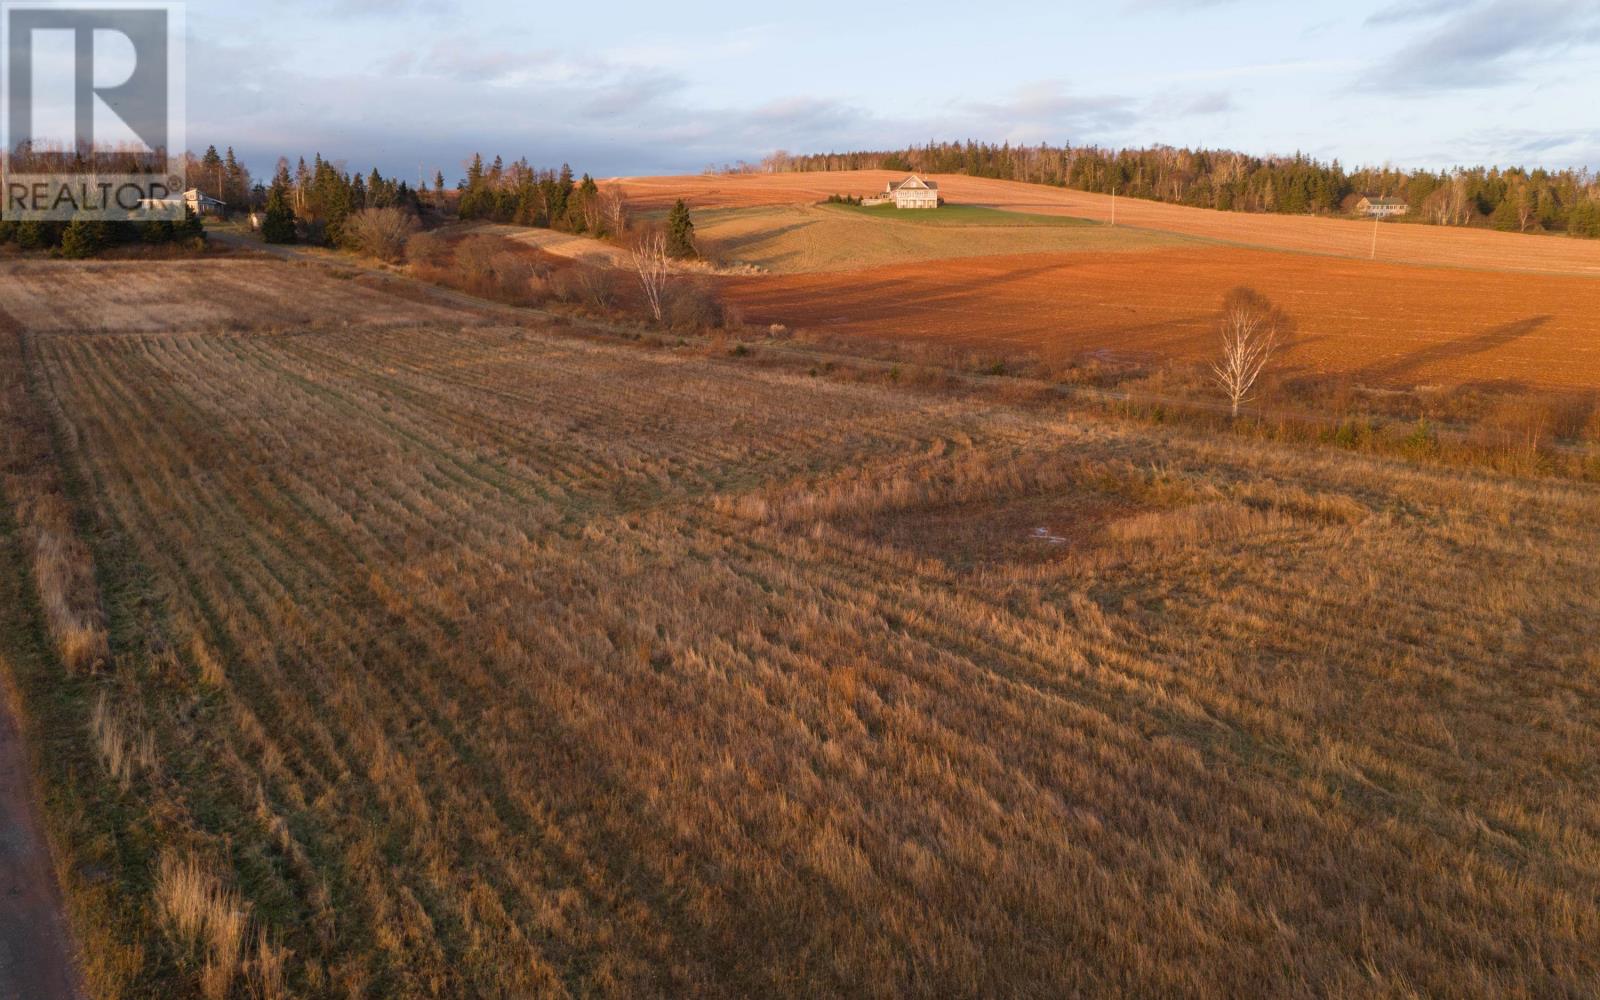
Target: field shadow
<point>1454,350</point>
<point>726,244</point>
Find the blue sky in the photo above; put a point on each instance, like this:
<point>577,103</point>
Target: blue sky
<point>631,87</point>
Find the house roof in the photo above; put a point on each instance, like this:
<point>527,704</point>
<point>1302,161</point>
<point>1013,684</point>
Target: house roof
<point>913,183</point>
<point>1385,202</point>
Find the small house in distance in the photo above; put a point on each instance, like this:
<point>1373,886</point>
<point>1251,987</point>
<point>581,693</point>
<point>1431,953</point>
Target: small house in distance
<point>1381,208</point>
<point>913,192</point>
<point>202,204</point>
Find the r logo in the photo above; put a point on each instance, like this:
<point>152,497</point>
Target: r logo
<point>91,89</point>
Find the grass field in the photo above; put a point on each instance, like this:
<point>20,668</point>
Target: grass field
<point>457,658</point>
<point>1397,243</point>
<point>959,215</point>
<point>1437,307</point>
<point>802,239</point>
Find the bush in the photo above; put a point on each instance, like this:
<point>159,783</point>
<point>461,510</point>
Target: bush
<point>692,306</point>
<point>8,231</point>
<point>38,235</point>
<point>487,266</point>
<point>428,248</point>
<point>157,232</point>
<point>1514,432</point>
<point>591,284</point>
<point>380,232</point>
<point>82,239</point>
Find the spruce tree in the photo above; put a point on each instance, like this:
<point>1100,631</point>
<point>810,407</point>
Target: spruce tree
<point>680,232</point>
<point>82,239</point>
<point>278,224</point>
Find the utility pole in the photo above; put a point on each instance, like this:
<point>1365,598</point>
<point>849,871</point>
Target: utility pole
<point>1374,237</point>
<point>1113,206</point>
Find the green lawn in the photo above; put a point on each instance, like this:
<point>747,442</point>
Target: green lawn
<point>960,215</point>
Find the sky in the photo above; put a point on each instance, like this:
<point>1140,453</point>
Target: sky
<point>628,87</point>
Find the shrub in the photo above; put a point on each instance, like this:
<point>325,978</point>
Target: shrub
<point>1423,440</point>
<point>380,232</point>
<point>1514,431</point>
<point>82,239</point>
<point>598,283</point>
<point>38,235</point>
<point>156,232</point>
<point>428,248</point>
<point>692,306</point>
<point>485,265</point>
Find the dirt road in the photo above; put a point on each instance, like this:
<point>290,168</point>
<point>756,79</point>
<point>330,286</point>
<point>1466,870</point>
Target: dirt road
<point>35,948</point>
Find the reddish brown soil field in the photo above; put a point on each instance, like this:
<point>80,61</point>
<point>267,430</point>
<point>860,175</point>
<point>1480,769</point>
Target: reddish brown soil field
<point>1384,323</point>
<point>1415,244</point>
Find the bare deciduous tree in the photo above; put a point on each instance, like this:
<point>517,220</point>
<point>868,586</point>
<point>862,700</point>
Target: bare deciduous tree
<point>614,210</point>
<point>653,265</point>
<point>1251,329</point>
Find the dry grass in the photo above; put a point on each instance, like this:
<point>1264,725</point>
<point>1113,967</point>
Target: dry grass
<point>207,922</point>
<point>550,667</point>
<point>794,239</point>
<point>125,748</point>
<point>221,295</point>
<point>62,566</point>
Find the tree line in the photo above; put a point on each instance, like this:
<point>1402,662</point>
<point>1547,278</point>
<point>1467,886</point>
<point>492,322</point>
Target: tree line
<point>551,199</point>
<point>1513,199</point>
<point>315,202</point>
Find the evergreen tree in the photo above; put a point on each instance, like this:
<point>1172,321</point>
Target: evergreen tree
<point>191,228</point>
<point>82,239</point>
<point>680,232</point>
<point>211,172</point>
<point>236,181</point>
<point>1584,220</point>
<point>278,224</point>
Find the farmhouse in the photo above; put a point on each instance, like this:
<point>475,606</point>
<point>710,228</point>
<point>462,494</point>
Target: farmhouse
<point>1381,208</point>
<point>914,192</point>
<point>203,204</point>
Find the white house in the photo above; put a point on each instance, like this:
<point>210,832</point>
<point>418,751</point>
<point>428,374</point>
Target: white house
<point>1382,208</point>
<point>202,204</point>
<point>914,192</point>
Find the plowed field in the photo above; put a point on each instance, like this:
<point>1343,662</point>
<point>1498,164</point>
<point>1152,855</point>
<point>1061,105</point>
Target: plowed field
<point>1386,324</point>
<point>1414,244</point>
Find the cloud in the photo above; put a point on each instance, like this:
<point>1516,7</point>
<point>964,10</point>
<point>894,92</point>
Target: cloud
<point>1215,103</point>
<point>1138,5</point>
<point>1517,147</point>
<point>1049,107</point>
<point>1488,44</point>
<point>1414,10</point>
<point>630,93</point>
<point>388,9</point>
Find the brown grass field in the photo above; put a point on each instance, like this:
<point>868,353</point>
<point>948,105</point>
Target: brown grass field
<point>1397,242</point>
<point>451,656</point>
<point>806,239</point>
<point>1382,324</point>
<point>1438,306</point>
